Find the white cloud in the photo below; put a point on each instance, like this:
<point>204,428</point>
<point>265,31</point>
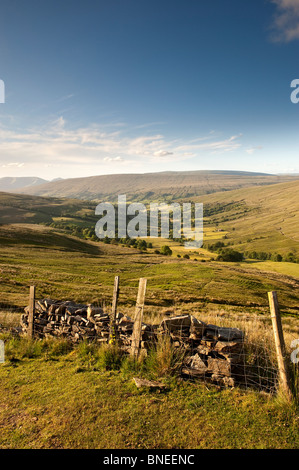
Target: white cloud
<point>13,164</point>
<point>162,153</point>
<point>286,20</point>
<point>95,149</point>
<point>253,149</point>
<point>111,159</point>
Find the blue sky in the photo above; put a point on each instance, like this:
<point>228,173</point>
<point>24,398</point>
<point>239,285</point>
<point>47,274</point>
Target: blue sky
<point>120,86</point>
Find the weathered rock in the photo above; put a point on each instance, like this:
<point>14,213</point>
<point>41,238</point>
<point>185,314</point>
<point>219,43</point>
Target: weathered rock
<point>175,324</point>
<point>148,383</point>
<point>92,311</point>
<point>219,366</point>
<point>197,362</point>
<point>224,381</point>
<point>228,346</point>
<point>223,333</point>
<point>197,328</point>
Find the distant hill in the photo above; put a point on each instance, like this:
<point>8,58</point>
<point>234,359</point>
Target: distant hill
<point>15,183</point>
<point>153,186</point>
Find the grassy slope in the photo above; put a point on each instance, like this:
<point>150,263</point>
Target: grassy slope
<point>162,186</point>
<point>64,401</point>
<point>84,271</point>
<point>16,208</point>
<point>261,219</point>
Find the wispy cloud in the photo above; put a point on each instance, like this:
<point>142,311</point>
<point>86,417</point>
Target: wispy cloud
<point>13,164</point>
<point>286,20</point>
<point>97,147</point>
<point>64,98</point>
<point>251,150</point>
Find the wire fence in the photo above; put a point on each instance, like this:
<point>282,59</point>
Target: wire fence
<point>214,347</point>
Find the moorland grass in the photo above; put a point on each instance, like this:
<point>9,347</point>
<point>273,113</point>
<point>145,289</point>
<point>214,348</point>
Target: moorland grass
<point>55,397</point>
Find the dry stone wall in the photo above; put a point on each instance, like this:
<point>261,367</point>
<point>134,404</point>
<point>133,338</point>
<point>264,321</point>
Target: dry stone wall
<point>210,352</point>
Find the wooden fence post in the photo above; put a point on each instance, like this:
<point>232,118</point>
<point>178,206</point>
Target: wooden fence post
<point>112,328</point>
<point>136,335</point>
<point>280,345</point>
<point>31,312</point>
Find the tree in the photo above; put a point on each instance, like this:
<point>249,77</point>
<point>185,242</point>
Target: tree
<point>230,255</point>
<point>165,250</point>
<point>276,257</point>
<point>141,244</point>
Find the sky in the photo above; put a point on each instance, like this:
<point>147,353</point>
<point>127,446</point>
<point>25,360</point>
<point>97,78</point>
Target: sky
<point>136,86</point>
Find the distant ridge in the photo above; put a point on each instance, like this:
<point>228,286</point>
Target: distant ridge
<point>169,185</point>
<point>11,184</point>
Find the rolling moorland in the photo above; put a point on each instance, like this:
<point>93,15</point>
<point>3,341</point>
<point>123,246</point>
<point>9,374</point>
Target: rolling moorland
<point>12,184</point>
<point>168,186</point>
<point>59,397</point>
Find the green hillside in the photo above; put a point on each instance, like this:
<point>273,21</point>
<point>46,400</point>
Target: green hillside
<point>263,219</point>
<point>19,208</point>
<point>66,267</point>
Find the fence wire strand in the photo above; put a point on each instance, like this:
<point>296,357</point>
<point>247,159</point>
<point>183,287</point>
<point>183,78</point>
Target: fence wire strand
<point>247,361</point>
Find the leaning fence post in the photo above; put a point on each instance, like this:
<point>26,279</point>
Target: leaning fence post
<point>31,311</point>
<point>136,335</point>
<point>280,344</point>
<point>112,329</point>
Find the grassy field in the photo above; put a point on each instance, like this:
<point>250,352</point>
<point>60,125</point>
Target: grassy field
<point>61,398</point>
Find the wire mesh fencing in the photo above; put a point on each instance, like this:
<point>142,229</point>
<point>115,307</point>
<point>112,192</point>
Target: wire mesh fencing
<point>11,309</point>
<point>221,347</point>
<point>222,350</point>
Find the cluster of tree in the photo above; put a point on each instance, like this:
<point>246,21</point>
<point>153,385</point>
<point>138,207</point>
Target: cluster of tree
<point>87,233</point>
<point>215,247</point>
<point>227,254</point>
<point>230,255</point>
<point>133,242</point>
<point>263,256</point>
<point>224,253</point>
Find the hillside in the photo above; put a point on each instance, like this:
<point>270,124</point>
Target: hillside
<point>164,186</point>
<point>62,266</point>
<point>14,183</point>
<point>17,208</point>
<point>263,218</point>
